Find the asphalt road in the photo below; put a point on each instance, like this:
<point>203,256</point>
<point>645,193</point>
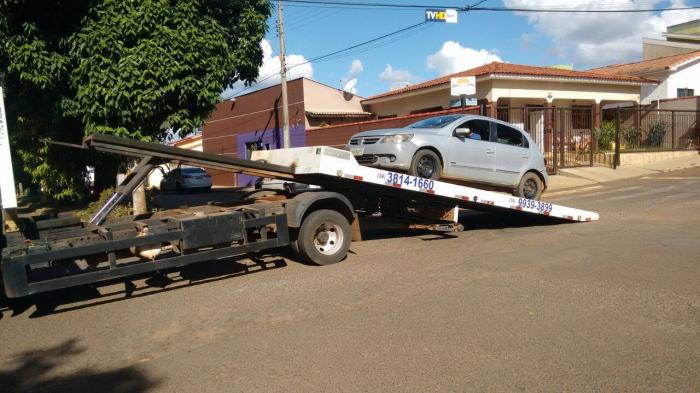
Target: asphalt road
<point>612,305</point>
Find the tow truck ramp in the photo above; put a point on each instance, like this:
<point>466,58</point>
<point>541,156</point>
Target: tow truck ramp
<point>321,164</point>
<point>319,223</point>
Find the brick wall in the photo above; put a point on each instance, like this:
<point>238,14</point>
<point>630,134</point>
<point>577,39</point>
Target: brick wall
<point>338,136</point>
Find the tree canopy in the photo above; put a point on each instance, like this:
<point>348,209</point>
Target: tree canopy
<point>132,68</point>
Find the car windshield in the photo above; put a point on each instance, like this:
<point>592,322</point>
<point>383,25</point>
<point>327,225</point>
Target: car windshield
<point>193,171</point>
<point>435,122</point>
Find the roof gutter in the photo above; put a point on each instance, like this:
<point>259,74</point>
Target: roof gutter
<point>568,79</point>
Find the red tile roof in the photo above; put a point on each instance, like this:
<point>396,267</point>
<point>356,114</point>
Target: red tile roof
<point>647,66</point>
<point>513,69</point>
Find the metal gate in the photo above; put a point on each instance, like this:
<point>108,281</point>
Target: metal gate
<point>563,135</point>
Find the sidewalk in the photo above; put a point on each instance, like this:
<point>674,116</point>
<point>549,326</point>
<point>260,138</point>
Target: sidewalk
<point>582,177</point>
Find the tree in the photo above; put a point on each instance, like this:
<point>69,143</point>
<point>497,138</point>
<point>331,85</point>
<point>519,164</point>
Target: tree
<point>126,67</point>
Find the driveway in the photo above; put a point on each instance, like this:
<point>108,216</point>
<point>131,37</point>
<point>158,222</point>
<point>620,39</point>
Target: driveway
<point>612,305</point>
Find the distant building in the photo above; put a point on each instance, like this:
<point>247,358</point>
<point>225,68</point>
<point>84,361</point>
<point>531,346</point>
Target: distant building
<point>506,85</point>
<point>254,121</point>
<point>678,39</point>
<point>678,76</point>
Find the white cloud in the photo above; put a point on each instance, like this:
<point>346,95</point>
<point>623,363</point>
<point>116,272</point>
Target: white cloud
<point>398,78</point>
<point>593,39</point>
<point>297,67</point>
<point>453,57</point>
<point>355,70</point>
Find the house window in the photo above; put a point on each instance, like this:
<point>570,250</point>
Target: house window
<point>457,102</point>
<point>426,110</point>
<point>685,92</point>
<point>581,118</point>
<point>250,147</point>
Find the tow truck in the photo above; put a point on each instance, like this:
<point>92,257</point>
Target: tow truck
<point>319,223</point>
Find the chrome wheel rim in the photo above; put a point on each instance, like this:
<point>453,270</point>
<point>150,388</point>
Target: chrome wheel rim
<point>328,238</point>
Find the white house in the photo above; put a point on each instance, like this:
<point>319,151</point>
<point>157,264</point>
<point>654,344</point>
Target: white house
<point>678,75</point>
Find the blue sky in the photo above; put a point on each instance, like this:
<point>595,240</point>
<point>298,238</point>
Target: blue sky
<point>584,40</point>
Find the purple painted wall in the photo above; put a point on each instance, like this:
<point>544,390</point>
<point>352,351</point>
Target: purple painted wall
<point>273,139</point>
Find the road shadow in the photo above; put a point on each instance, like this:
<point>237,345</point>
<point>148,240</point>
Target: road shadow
<point>36,371</point>
<point>71,299</point>
<point>470,219</point>
<point>502,219</point>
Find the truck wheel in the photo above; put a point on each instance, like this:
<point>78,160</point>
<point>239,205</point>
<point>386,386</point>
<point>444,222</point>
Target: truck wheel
<point>530,187</point>
<point>425,164</point>
<point>324,237</point>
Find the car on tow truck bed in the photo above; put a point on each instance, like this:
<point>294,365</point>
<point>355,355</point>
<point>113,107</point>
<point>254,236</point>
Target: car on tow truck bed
<point>465,148</point>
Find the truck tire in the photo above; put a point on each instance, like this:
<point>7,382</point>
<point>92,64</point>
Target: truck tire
<point>426,164</point>
<point>324,237</point>
<point>530,187</point>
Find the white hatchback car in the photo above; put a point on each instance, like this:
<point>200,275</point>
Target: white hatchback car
<point>465,148</point>
<point>186,178</point>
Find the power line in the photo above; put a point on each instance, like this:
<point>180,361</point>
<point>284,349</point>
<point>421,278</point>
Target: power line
<point>335,53</point>
<point>378,5</point>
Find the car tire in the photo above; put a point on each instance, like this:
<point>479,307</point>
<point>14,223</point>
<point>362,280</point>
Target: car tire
<point>426,164</point>
<point>324,237</point>
<point>178,188</point>
<point>530,187</point>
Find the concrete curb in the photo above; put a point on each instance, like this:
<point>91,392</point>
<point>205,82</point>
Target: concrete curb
<point>575,178</point>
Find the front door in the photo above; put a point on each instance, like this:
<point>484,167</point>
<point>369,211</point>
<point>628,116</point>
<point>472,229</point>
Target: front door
<point>472,157</point>
<point>512,155</point>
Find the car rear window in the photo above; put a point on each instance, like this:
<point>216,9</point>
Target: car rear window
<point>510,136</point>
<point>435,122</point>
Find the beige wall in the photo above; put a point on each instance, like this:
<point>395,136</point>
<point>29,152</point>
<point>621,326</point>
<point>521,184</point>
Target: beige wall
<point>403,105</point>
<point>512,92</point>
<point>539,89</point>
<point>684,104</point>
<point>654,48</point>
<point>319,97</point>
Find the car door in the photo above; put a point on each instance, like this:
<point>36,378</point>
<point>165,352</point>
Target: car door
<point>512,155</point>
<point>471,158</point>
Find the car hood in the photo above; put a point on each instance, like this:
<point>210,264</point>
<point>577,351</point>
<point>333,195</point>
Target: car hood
<point>394,131</point>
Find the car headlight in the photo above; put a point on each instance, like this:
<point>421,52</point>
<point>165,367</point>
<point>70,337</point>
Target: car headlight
<point>398,138</point>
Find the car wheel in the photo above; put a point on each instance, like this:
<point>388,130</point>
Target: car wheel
<point>178,188</point>
<point>530,187</point>
<point>324,237</point>
<point>426,164</point>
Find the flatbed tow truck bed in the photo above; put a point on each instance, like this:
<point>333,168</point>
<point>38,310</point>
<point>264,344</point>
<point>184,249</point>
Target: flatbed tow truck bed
<point>319,224</point>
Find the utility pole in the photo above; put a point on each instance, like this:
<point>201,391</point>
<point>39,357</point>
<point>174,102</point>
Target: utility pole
<point>283,77</point>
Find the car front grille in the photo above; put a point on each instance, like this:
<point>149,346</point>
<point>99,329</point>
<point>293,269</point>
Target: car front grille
<point>368,140</point>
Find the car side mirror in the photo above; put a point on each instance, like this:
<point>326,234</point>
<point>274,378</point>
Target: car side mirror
<point>462,132</point>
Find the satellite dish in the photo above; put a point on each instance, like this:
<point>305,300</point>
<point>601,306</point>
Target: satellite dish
<point>350,85</point>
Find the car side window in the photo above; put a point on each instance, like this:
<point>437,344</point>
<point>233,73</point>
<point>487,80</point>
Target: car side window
<point>510,136</point>
<point>480,129</point>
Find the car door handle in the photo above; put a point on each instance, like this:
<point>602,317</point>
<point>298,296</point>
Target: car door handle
<point>525,156</point>
<point>489,151</point>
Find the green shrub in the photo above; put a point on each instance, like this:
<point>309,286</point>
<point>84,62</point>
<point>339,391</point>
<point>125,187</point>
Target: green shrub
<point>120,210</point>
<point>656,134</point>
<point>605,134</point>
<point>632,136</point>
